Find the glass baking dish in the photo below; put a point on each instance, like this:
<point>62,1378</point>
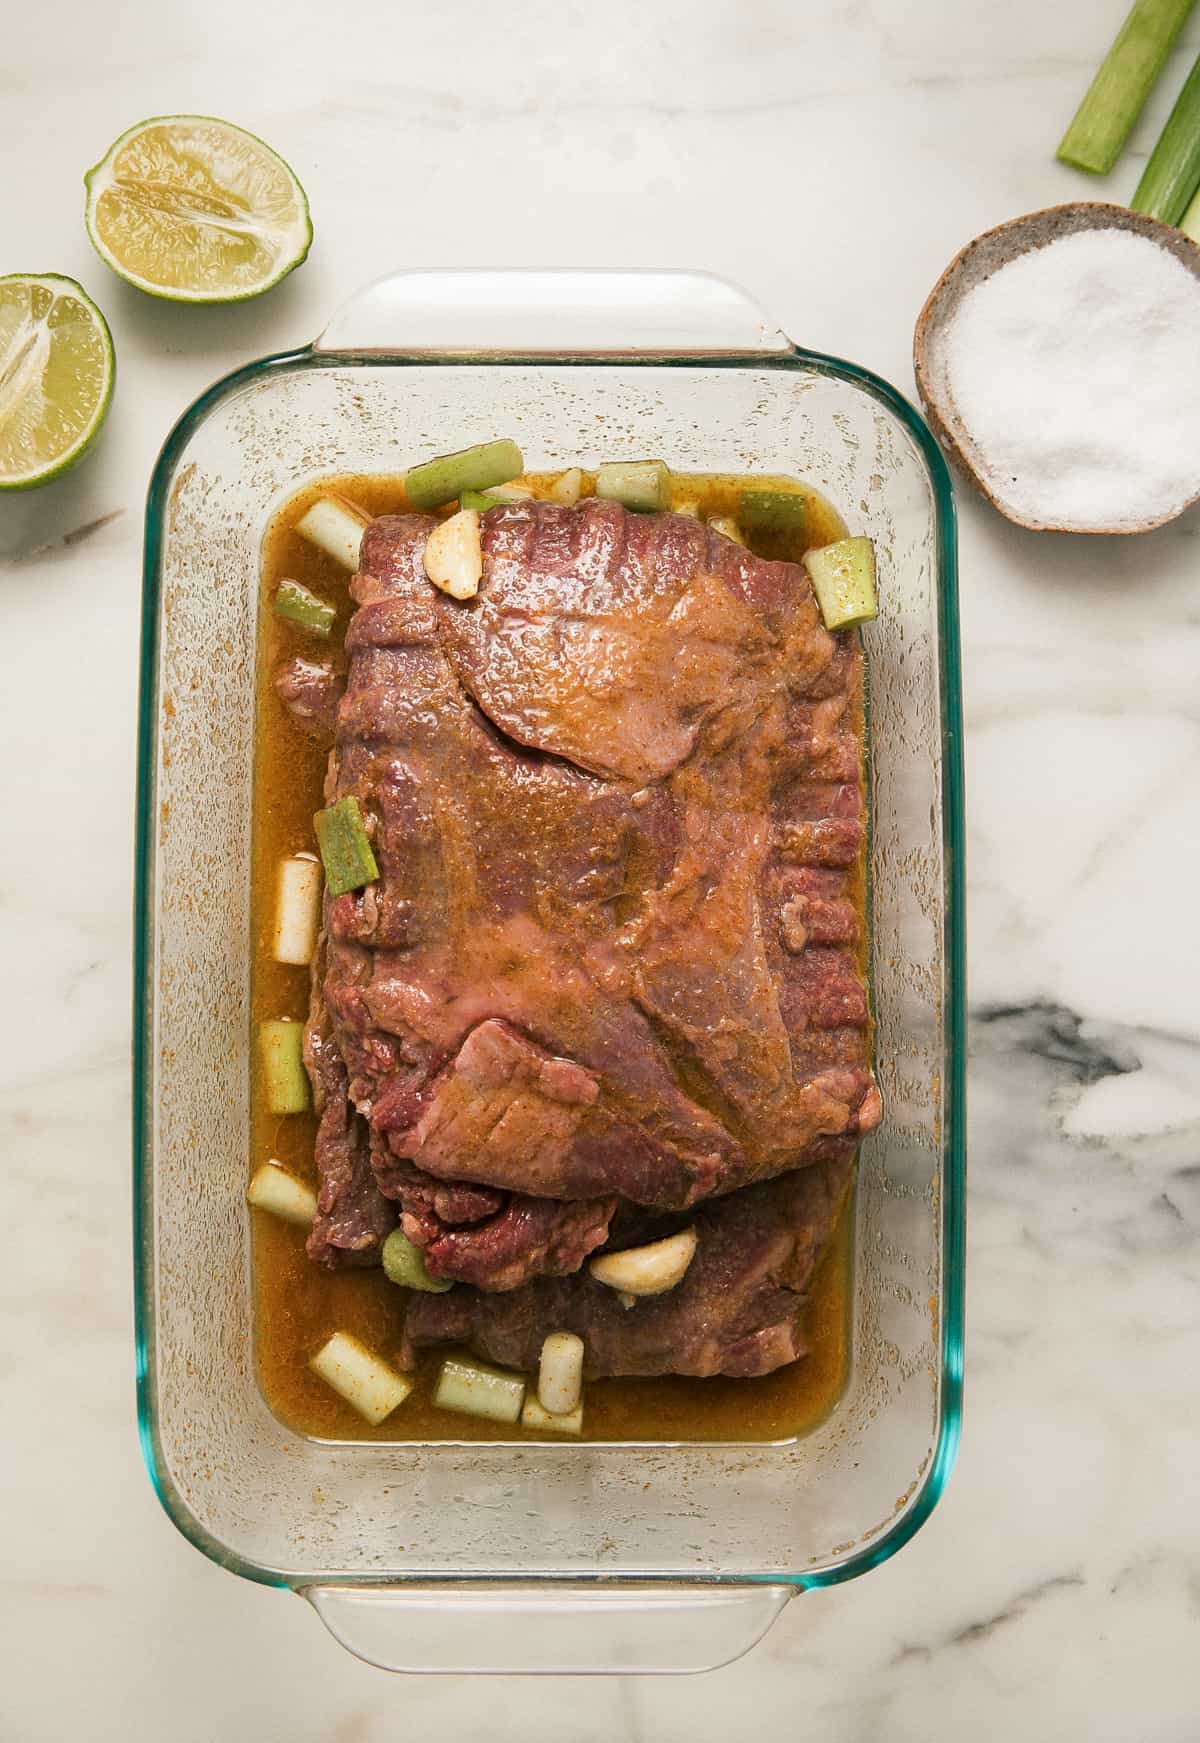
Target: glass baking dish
<point>529,1557</point>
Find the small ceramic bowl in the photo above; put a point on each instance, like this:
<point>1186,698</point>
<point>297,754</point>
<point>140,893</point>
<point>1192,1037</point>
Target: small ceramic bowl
<point>978,261</point>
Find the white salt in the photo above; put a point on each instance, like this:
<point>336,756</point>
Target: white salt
<point>1075,375</point>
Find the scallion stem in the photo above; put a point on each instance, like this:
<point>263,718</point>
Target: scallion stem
<point>285,1081</point>
<point>478,468</point>
<point>1115,98</point>
<point>345,847</point>
<point>275,1190</point>
<point>477,1389</point>
<point>363,1379</point>
<point>335,527</point>
<point>297,605</point>
<point>843,578</point>
<point>297,909</point>
<point>1190,222</point>
<point>640,484</point>
<point>404,1263</point>
<point>1173,173</point>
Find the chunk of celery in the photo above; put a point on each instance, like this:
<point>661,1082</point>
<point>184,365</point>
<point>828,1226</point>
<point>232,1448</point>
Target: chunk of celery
<point>474,1389</point>
<point>441,480</point>
<point>345,847</point>
<point>281,1050</point>
<point>295,604</point>
<point>361,1377</point>
<point>567,1422</point>
<point>843,578</point>
<point>297,907</point>
<point>1190,222</point>
<point>1172,174</point>
<point>275,1190</point>
<point>1115,97</point>
<point>773,510</point>
<point>639,484</point>
<point>404,1263</point>
<point>335,527</point>
<point>560,1373</point>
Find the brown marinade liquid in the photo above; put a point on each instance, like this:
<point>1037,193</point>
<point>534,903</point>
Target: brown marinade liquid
<point>298,1304</point>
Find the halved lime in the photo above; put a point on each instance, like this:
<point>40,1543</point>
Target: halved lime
<point>196,210</point>
<point>56,376</point>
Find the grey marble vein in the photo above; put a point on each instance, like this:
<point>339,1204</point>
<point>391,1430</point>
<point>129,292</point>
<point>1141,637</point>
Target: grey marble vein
<point>970,1633</point>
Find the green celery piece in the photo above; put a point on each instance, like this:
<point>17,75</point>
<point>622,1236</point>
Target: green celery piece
<point>297,605</point>
<point>281,1049</point>
<point>477,1389</point>
<point>1190,222</point>
<point>345,847</point>
<point>1117,94</point>
<point>843,578</point>
<point>1172,175</point>
<point>477,500</point>
<point>639,484</point>
<point>533,1416</point>
<point>773,510</point>
<point>438,481</point>
<point>404,1263</point>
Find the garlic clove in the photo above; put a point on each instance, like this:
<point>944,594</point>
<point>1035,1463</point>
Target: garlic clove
<point>649,1270</point>
<point>453,555</point>
<point>510,492</point>
<point>569,488</point>
<point>728,528</point>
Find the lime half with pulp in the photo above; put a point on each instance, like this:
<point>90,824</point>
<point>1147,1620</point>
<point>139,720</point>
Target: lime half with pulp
<point>56,376</point>
<point>196,210</point>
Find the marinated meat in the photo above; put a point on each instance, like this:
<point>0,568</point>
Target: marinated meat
<point>310,690</point>
<point>353,1217</point>
<point>736,1312</point>
<point>609,967</point>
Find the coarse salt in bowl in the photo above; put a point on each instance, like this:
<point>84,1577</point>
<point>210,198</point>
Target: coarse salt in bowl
<point>1059,360</point>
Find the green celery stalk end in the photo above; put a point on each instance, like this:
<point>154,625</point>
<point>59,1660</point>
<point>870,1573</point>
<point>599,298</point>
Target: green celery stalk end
<point>1116,96</point>
<point>1172,175</point>
<point>345,847</point>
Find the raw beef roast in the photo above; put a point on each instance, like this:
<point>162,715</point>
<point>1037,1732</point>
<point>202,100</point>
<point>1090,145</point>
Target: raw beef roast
<point>609,969</point>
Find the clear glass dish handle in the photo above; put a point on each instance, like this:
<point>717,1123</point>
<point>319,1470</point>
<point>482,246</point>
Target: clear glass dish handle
<point>549,1628</point>
<point>552,313</point>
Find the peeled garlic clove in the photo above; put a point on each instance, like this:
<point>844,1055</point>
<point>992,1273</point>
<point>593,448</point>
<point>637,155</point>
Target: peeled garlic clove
<point>728,528</point>
<point>453,555</point>
<point>647,1270</point>
<point>511,492</point>
<point>569,488</point>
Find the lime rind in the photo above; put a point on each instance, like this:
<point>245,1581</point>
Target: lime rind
<point>98,179</point>
<point>62,463</point>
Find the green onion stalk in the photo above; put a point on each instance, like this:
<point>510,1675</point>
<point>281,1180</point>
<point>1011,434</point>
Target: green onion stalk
<point>1117,94</point>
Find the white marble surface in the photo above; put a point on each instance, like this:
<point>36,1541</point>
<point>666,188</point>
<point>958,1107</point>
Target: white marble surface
<point>831,155</point>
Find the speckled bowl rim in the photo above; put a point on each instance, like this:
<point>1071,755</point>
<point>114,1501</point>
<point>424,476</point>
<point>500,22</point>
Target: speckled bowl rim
<point>971,267</point>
